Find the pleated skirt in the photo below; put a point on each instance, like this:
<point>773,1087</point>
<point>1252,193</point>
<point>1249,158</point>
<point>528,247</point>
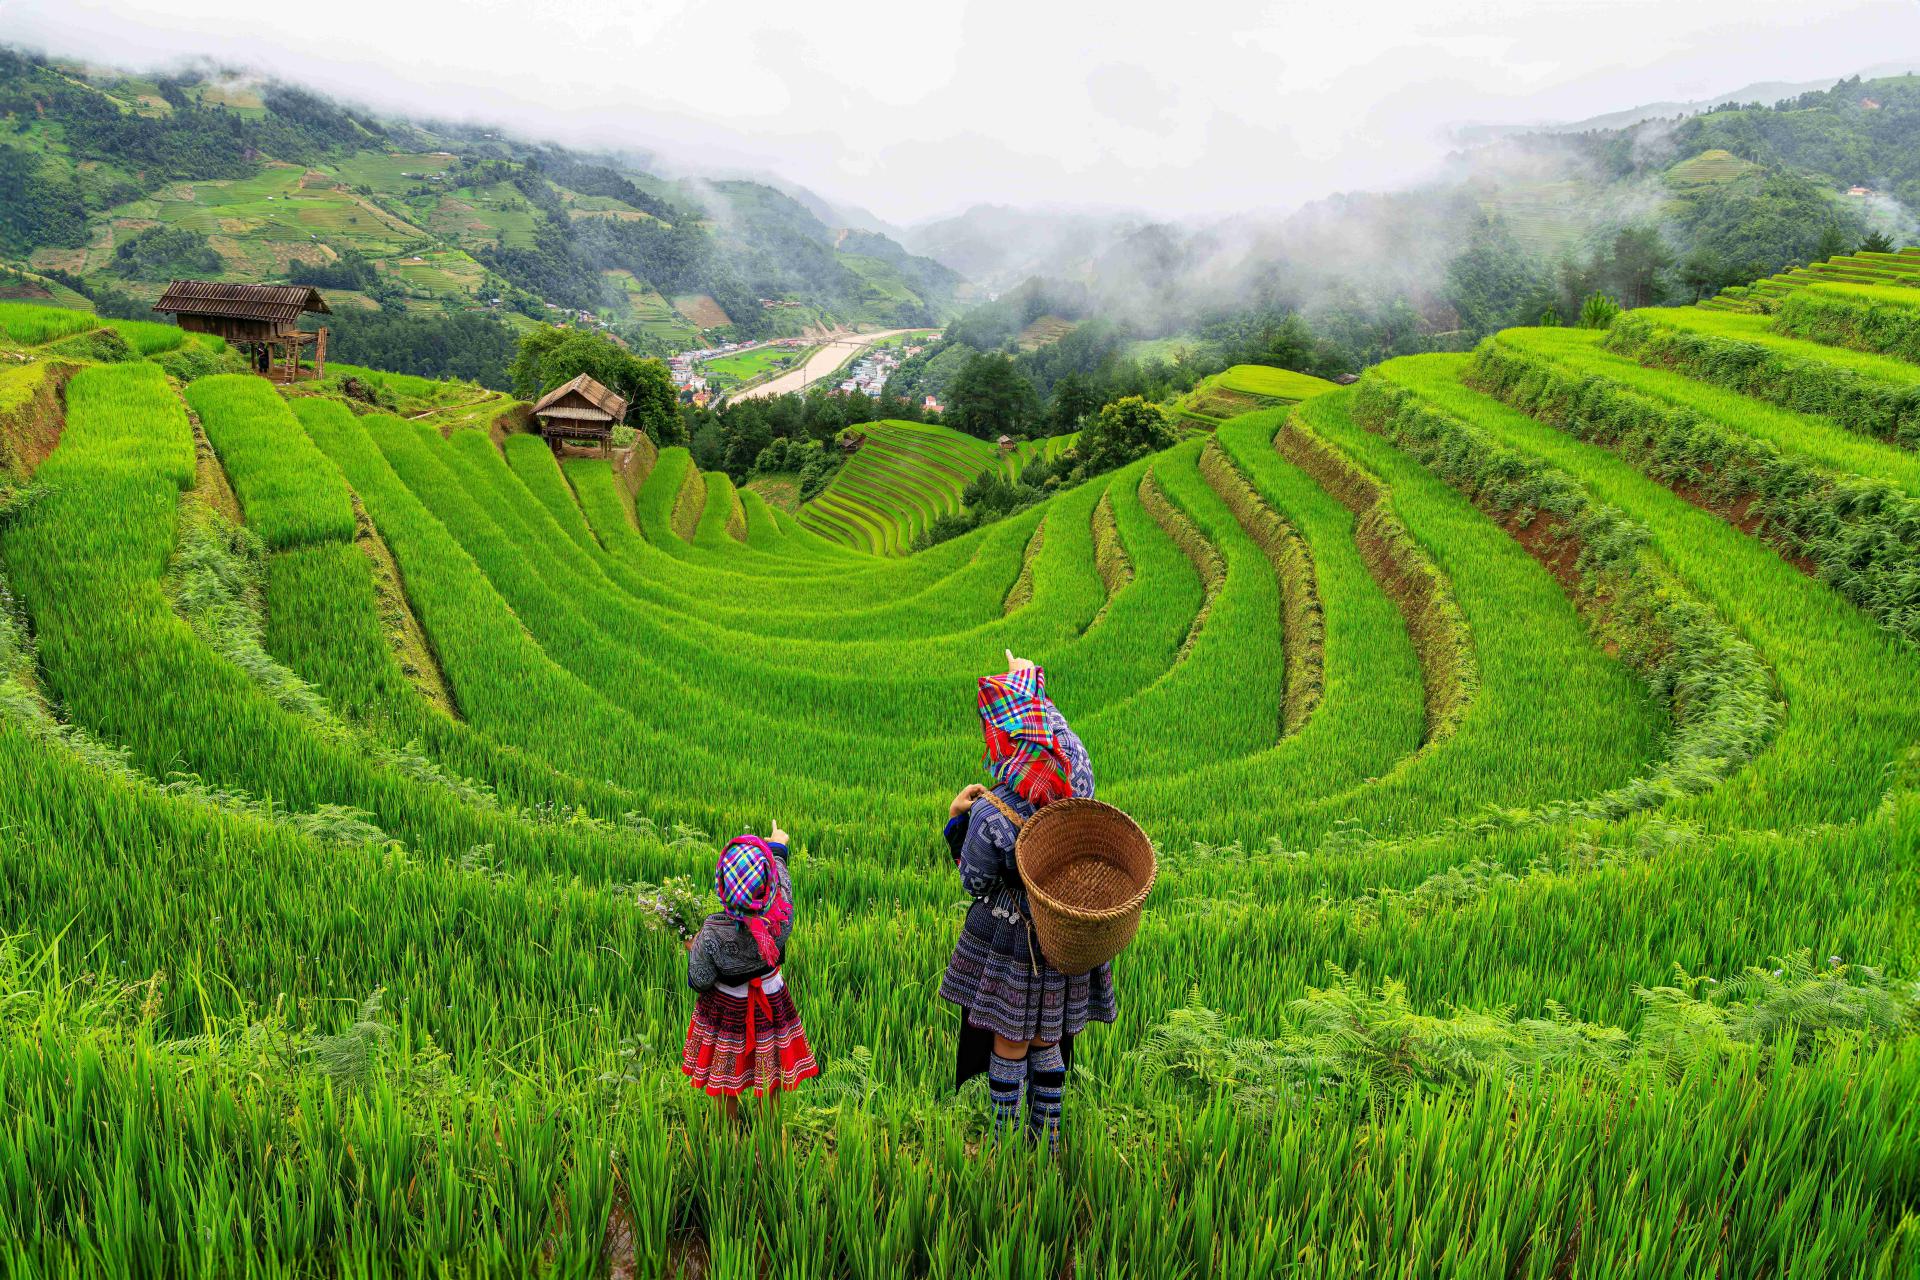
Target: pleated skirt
<point>747,1039</point>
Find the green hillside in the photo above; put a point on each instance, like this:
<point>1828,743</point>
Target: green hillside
<point>1712,166</point>
<point>126,182</point>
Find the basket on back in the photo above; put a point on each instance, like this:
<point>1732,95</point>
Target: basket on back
<point>1088,868</point>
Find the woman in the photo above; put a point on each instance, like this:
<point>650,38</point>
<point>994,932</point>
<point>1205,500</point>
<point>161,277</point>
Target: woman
<point>1019,1013</point>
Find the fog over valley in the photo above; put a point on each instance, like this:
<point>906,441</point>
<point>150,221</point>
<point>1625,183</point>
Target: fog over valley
<point>918,112</point>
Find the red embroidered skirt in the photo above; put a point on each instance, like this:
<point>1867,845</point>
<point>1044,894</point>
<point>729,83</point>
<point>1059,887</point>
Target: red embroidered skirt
<point>747,1037</point>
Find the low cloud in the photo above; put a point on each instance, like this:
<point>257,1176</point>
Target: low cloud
<point>916,111</point>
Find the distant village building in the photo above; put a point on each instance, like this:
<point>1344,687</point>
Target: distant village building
<point>931,405</point>
<point>1859,193</point>
<point>580,411</point>
<point>1869,104</point>
<point>261,319</point>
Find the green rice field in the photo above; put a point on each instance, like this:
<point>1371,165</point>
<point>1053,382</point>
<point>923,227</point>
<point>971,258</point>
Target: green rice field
<point>1243,389</point>
<point>905,475</point>
<point>31,324</point>
<point>1530,739</point>
<point>748,366</point>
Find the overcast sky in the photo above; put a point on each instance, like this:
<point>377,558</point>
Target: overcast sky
<point>920,109</point>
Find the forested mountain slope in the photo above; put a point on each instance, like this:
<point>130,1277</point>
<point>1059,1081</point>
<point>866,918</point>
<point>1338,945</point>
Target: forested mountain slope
<point>1660,211</point>
<point>429,238</point>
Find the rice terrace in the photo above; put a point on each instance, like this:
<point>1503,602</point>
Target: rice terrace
<point>1428,748</point>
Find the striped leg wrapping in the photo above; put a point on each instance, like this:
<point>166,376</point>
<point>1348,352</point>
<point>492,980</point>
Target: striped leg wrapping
<point>1004,1077</point>
<point>1046,1082</point>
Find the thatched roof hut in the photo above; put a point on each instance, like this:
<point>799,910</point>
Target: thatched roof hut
<point>579,410</point>
<point>263,318</point>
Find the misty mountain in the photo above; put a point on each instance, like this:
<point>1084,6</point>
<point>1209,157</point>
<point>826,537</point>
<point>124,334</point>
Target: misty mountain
<point>110,182</point>
<point>1521,228</point>
<point>997,246</point>
<point>1764,91</point>
<point>1554,195</point>
<point>829,212</point>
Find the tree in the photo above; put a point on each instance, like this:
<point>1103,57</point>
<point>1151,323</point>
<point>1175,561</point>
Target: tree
<point>166,253</point>
<point>548,357</point>
<point>1073,400</point>
<point>1491,280</point>
<point>38,205</point>
<point>462,344</point>
<point>1639,256</point>
<point>653,404</point>
<point>1832,243</point>
<point>709,446</point>
<point>746,440</point>
<point>1289,344</point>
<point>1598,312</point>
<point>1127,429</point>
<point>1877,242</point>
<point>989,398</point>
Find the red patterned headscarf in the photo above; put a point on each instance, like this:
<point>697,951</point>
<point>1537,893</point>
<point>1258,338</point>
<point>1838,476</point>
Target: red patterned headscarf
<point>749,889</point>
<point>1022,748</point>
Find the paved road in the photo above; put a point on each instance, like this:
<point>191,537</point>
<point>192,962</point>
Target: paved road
<point>825,361</point>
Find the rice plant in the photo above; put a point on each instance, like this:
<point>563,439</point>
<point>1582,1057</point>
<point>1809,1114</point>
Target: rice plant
<point>31,325</point>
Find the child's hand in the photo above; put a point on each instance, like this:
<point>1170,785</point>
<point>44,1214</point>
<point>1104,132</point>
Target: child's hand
<point>963,802</point>
<point>778,836</point>
<point>1016,664</point>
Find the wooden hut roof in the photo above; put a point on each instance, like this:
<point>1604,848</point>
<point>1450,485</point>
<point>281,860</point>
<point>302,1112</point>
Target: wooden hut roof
<point>587,389</point>
<point>272,303</point>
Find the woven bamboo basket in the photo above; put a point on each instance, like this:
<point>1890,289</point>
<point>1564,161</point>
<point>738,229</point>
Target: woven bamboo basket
<point>1088,868</point>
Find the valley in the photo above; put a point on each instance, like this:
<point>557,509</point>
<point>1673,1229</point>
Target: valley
<point>424,778</point>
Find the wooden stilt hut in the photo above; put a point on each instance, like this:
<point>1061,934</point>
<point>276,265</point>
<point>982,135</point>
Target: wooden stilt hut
<point>261,319</point>
<point>581,411</point>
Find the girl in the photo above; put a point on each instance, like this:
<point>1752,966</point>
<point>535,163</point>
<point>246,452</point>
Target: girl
<point>745,1029</point>
<point>1019,1013</point>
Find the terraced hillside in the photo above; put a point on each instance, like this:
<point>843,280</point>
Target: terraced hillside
<point>1900,269</point>
<point>1529,738</point>
<point>905,476</point>
<point>128,180</point>
<point>1243,389</point>
<point>1047,448</point>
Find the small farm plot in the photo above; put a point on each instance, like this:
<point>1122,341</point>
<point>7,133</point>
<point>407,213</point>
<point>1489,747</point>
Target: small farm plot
<point>700,310</point>
<point>750,366</point>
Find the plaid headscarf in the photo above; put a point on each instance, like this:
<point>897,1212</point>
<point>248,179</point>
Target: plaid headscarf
<point>749,889</point>
<point>1022,749</point>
